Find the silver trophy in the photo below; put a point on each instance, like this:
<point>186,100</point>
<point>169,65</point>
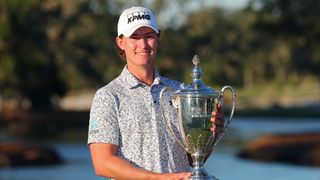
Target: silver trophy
<point>191,128</point>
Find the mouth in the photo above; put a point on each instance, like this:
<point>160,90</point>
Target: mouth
<point>143,53</point>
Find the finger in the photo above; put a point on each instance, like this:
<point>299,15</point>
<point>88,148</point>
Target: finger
<point>216,115</point>
<point>216,123</point>
<point>216,118</point>
<point>213,128</point>
<point>184,175</point>
<point>216,130</point>
<point>218,106</point>
<point>220,109</point>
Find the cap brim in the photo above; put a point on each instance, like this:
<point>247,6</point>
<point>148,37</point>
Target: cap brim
<point>130,31</point>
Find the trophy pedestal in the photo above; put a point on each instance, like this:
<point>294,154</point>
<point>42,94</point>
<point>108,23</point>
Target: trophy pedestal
<point>198,171</point>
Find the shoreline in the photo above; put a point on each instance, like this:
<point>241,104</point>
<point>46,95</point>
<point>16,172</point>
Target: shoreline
<point>279,112</point>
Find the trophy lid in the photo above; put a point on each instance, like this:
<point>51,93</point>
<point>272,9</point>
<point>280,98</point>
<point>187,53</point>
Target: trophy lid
<point>197,88</point>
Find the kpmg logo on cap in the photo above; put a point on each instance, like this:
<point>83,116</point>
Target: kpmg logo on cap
<point>140,15</point>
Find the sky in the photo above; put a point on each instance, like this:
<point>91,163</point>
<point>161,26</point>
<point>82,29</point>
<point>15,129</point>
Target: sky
<point>229,4</point>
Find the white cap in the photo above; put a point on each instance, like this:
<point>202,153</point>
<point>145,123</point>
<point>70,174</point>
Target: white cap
<point>135,17</point>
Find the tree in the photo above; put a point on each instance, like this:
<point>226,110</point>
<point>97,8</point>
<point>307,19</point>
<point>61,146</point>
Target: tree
<point>32,71</point>
<point>294,24</point>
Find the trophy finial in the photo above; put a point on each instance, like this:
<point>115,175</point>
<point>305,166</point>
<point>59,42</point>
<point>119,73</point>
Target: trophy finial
<point>196,60</point>
<point>196,71</point>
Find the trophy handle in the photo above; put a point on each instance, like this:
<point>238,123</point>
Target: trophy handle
<point>167,121</point>
<point>220,101</point>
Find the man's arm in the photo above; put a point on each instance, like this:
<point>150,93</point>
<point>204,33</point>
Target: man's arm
<point>107,164</point>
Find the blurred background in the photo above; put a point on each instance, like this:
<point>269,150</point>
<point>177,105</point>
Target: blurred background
<point>55,54</point>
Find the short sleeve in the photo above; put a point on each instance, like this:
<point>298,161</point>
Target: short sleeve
<point>103,123</point>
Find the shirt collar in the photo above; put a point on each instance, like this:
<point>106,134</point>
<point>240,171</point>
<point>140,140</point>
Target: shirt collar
<point>157,78</point>
<point>131,82</point>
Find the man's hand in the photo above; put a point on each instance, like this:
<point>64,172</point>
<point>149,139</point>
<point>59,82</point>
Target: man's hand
<point>217,127</point>
<point>174,176</point>
<point>218,121</point>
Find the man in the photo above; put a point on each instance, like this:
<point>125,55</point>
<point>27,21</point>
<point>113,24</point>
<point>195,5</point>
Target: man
<point>127,134</point>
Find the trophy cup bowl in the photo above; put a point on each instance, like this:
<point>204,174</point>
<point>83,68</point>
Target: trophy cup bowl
<point>194,105</point>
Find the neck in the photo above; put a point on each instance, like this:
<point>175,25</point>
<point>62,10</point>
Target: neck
<point>144,75</point>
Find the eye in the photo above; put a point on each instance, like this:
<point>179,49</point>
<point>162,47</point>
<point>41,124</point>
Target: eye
<point>151,36</point>
<point>134,37</point>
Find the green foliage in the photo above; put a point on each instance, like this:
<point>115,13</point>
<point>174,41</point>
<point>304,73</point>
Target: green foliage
<point>50,47</point>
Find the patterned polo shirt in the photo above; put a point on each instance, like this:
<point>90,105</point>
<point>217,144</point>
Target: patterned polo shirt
<point>127,113</point>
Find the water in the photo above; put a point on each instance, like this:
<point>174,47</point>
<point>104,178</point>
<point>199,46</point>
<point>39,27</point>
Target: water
<point>228,167</point>
<point>223,163</point>
<point>77,167</point>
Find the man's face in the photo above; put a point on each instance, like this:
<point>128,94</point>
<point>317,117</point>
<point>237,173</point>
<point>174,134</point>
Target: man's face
<point>141,47</point>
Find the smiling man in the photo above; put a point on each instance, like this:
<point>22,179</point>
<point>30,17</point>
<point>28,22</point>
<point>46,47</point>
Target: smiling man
<point>127,134</point>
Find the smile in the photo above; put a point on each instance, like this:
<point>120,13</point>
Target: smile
<point>146,52</point>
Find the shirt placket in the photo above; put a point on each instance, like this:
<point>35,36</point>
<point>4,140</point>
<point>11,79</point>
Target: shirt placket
<point>153,102</point>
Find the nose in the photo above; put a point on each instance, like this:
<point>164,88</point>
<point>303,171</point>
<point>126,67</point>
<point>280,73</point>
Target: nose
<point>142,42</point>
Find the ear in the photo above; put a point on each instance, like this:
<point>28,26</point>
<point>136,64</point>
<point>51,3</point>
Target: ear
<point>119,41</point>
